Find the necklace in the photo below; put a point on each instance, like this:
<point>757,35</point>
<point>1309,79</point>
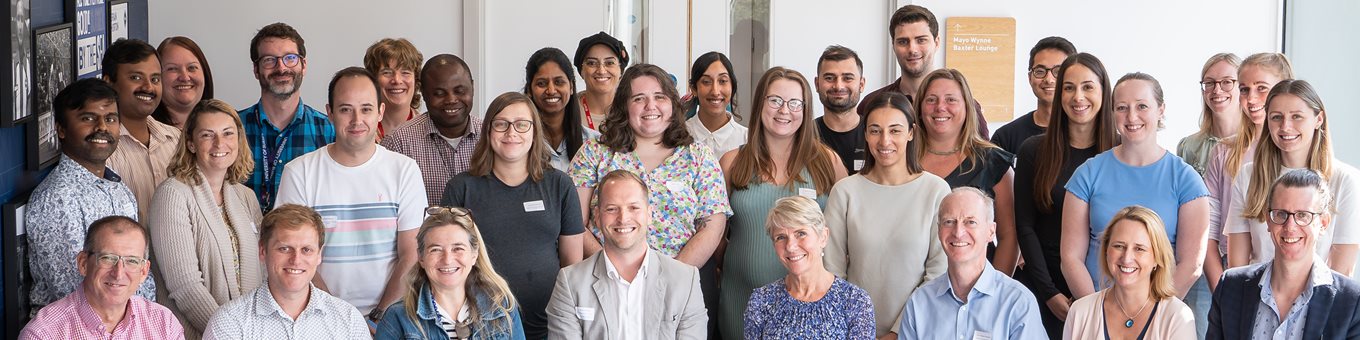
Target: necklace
<point>943,153</point>
<point>1129,323</point>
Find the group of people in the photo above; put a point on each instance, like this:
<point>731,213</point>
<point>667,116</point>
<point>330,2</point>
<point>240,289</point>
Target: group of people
<point>624,211</point>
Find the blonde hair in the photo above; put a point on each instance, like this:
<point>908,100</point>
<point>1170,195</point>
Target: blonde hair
<point>970,143</point>
<point>184,167</point>
<point>1206,119</point>
<point>483,277</point>
<point>1162,284</point>
<point>1269,159</point>
<point>794,211</point>
<point>1275,63</point>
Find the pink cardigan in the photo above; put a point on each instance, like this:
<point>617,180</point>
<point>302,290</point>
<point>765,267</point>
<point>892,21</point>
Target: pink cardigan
<point>1174,319</point>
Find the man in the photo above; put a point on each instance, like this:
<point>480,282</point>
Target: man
<point>288,306</point>
<point>371,200</point>
<point>839,84</point>
<point>280,127</point>
<point>145,145</point>
<point>1295,295</point>
<point>80,190</point>
<point>1044,60</point>
<point>915,37</point>
<point>973,300</point>
<point>626,291</point>
<point>441,140</point>
<point>114,263</point>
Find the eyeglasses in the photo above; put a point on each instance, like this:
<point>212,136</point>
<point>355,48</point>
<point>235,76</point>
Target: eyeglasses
<point>456,211</point>
<point>592,63</point>
<point>107,260</point>
<point>521,126</point>
<point>1038,72</point>
<point>795,105</point>
<point>269,61</point>
<point>1225,85</point>
<point>1301,218</point>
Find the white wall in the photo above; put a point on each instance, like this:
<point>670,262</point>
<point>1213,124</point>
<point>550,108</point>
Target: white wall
<point>1168,39</point>
<point>1321,44</point>
<point>336,35</point>
<point>801,29</point>
<point>514,29</point>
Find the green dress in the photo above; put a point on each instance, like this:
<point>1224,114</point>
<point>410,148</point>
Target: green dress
<point>750,261</point>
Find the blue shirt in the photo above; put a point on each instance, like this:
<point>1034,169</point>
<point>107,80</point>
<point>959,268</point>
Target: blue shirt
<point>271,147</point>
<point>1268,324</point>
<point>997,306</point>
<point>1108,185</point>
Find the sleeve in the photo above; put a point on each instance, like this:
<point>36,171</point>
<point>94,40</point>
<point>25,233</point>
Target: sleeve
<point>413,201</point>
<point>587,160</point>
<point>754,316</point>
<point>1218,200</point>
<point>1189,184</point>
<point>1346,215</point>
<point>1215,314</point>
<point>571,205</point>
<point>1180,322</point>
<point>836,257</point>
<point>1026,218</point>
<point>55,236</point>
<point>172,235</point>
<point>394,144</point>
<point>563,322</point>
<point>1181,149</point>
<point>709,183</point>
<point>694,322</point>
<point>291,185</point>
<point>906,328</point>
<point>936,262</point>
<point>1235,223</point>
<point>222,326</point>
<point>861,315</point>
<point>516,325</point>
<point>389,328</point>
<point>997,163</point>
<point>455,191</point>
<point>1031,326</point>
<point>1083,179</point>
<point>358,326</point>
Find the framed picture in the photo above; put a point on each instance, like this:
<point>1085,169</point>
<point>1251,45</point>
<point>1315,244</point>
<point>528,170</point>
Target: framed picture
<point>15,245</point>
<point>118,20</point>
<point>91,19</point>
<point>19,75</point>
<point>54,69</point>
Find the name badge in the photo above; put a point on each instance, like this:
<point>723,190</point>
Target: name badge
<point>980,335</point>
<point>585,313</point>
<point>808,192</point>
<point>859,164</point>
<point>676,187</point>
<point>330,221</point>
<point>532,206</point>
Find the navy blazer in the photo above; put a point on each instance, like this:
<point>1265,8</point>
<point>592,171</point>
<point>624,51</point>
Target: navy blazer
<point>1332,311</point>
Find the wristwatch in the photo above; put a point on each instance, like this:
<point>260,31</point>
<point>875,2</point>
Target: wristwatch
<point>375,315</point>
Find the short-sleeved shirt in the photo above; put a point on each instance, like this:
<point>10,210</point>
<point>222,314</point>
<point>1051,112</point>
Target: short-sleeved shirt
<point>438,160</point>
<point>309,130</point>
<point>363,207</point>
<point>1344,184</point>
<point>849,145</point>
<point>686,187</point>
<point>521,225</point>
<point>144,167</point>
<point>1010,136</point>
<point>73,318</point>
<point>258,316</point>
<point>1108,185</point>
<point>844,312</point>
<point>728,137</point>
<point>560,158</point>
<point>1197,149</point>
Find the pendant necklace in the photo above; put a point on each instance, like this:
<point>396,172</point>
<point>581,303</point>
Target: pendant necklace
<point>1129,323</point>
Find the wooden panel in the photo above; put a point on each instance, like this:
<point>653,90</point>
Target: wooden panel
<point>984,50</point>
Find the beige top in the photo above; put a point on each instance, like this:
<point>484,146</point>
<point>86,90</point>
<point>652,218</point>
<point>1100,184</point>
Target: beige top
<point>144,167</point>
<point>194,258</point>
<point>1085,320</point>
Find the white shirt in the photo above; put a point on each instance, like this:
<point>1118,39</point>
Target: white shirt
<point>453,142</point>
<point>1345,229</point>
<point>729,136</point>
<point>258,316</point>
<point>631,298</point>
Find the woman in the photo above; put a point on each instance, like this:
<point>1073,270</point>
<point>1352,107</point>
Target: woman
<point>396,62</point>
<point>1221,116</point>
<point>186,79</point>
<point>600,58</point>
<point>1258,73</point>
<point>712,83</point>
<point>551,85</point>
<point>785,158</point>
<point>1045,163</point>
<point>202,219</point>
<point>528,209</point>
<point>1140,172</point>
<point>462,304</point>
<point>1136,256</point>
<point>808,302</point>
<point>880,216</point>
<point>966,159</point>
<point>1295,137</point>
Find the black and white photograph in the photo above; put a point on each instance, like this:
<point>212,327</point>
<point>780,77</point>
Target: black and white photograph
<point>15,243</point>
<point>21,62</point>
<point>42,142</point>
<point>118,20</point>
<point>54,66</point>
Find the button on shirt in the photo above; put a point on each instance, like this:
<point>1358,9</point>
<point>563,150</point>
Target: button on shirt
<point>998,306</point>
<point>143,167</point>
<point>58,212</point>
<point>73,318</point>
<point>258,316</point>
<point>310,129</point>
<point>1268,324</point>
<point>729,136</point>
<point>630,297</point>
<point>436,156</point>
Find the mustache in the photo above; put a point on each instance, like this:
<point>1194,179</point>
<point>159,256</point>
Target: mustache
<point>105,135</point>
<point>145,93</point>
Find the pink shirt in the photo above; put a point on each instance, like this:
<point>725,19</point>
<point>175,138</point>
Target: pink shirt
<point>73,318</point>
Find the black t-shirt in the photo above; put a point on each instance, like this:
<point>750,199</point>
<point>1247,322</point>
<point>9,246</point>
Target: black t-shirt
<point>1040,233</point>
<point>849,145</point>
<point>1010,136</point>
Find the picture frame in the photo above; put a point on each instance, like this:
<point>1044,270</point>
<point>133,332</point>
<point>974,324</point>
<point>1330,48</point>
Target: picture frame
<point>19,75</point>
<point>17,281</point>
<point>54,68</point>
<point>91,21</point>
<point>118,20</point>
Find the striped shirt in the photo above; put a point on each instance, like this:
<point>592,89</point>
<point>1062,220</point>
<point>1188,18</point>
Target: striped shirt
<point>363,208</point>
<point>73,318</point>
<point>310,129</point>
<point>438,161</point>
<point>258,316</point>
<point>143,167</point>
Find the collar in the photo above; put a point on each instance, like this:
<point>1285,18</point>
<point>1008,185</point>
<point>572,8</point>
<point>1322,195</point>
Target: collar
<point>266,305</point>
<point>473,128</point>
<point>987,284</point>
<point>69,167</point>
<point>428,311</point>
<point>723,131</point>
<point>1319,276</point>
<point>160,132</point>
<point>264,118</point>
<point>613,272</point>
<point>90,319</point>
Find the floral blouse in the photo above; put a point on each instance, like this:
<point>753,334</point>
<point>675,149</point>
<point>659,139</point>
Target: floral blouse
<point>687,186</point>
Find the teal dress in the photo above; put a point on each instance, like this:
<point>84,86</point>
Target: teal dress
<point>750,261</point>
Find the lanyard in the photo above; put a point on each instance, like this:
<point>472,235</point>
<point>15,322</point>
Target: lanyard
<point>271,162</point>
<point>590,122</point>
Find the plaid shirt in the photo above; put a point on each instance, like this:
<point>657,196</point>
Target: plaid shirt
<point>309,130</point>
<point>73,318</point>
<point>438,161</point>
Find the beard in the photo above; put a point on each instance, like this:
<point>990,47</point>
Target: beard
<point>282,89</point>
<point>845,105</point>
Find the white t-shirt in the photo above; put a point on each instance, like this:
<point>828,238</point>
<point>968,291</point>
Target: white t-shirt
<point>1345,229</point>
<point>728,137</point>
<point>363,208</point>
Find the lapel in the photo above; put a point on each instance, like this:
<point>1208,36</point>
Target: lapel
<point>1318,309</point>
<point>605,296</point>
<point>1251,300</point>
<point>654,305</point>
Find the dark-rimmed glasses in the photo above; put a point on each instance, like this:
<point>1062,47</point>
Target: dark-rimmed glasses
<point>269,61</point>
<point>521,126</point>
<point>1301,217</point>
<point>1226,85</point>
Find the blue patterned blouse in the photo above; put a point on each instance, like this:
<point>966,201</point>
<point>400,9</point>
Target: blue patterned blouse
<point>845,312</point>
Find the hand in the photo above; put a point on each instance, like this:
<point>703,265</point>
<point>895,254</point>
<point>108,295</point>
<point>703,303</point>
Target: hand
<point>1059,305</point>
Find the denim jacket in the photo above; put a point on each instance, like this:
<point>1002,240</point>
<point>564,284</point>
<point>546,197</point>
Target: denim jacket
<point>396,325</point>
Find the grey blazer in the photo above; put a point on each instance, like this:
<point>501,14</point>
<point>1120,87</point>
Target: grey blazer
<point>585,301</point>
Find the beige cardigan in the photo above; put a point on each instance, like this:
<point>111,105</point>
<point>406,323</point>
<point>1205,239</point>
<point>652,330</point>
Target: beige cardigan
<point>192,251</point>
<point>1174,319</point>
